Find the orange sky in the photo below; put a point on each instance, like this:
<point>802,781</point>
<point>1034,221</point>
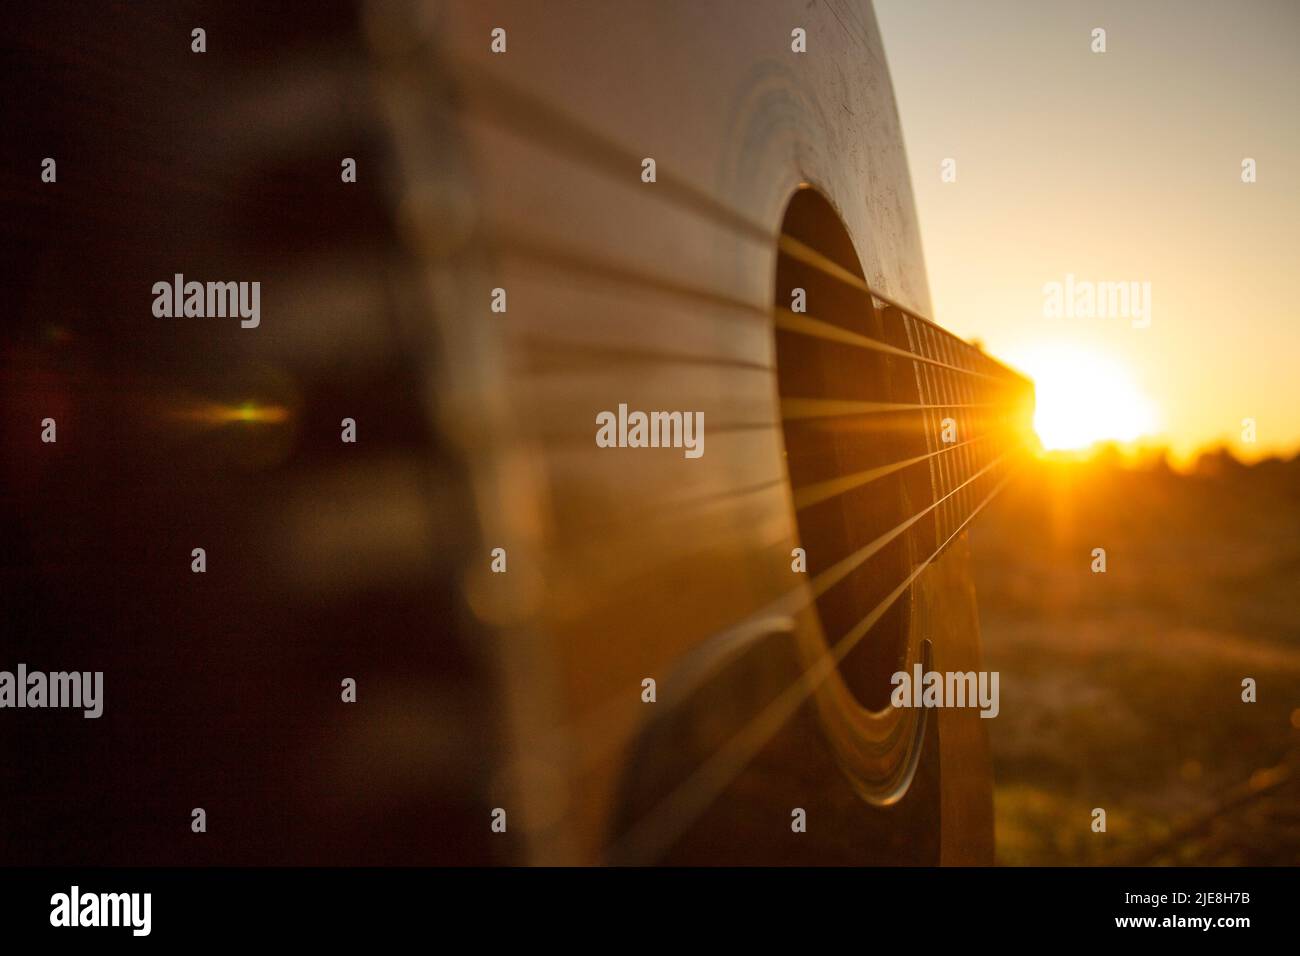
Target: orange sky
<point>1123,166</point>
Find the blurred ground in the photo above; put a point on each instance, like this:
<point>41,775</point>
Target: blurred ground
<point>1123,690</point>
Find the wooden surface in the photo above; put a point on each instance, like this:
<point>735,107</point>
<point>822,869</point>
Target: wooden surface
<point>661,296</point>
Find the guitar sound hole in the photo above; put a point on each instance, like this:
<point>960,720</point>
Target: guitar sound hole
<point>839,440</point>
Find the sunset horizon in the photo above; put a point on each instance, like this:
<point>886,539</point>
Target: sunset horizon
<point>1142,159</point>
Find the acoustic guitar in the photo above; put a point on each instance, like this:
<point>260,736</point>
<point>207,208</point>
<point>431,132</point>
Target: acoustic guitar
<point>594,462</point>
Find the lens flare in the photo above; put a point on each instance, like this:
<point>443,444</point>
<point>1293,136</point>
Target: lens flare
<point>1082,398</point>
<point>216,413</point>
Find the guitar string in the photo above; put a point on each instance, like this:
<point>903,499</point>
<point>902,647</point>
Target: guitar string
<point>553,256</point>
<point>804,496</point>
<point>802,323</point>
<point>583,438</point>
<point>723,643</point>
<point>563,133</point>
<point>560,132</point>
<point>801,252</point>
<point>673,815</point>
<point>797,409</point>
<point>537,121</point>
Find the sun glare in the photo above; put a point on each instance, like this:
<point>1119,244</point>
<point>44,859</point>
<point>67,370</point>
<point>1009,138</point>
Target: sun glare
<point>1082,398</point>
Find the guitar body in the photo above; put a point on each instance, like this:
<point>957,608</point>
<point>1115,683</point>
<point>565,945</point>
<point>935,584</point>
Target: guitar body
<point>661,296</point>
<point>683,651</point>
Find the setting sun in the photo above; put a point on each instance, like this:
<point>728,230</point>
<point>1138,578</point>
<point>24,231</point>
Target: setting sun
<point>1082,398</point>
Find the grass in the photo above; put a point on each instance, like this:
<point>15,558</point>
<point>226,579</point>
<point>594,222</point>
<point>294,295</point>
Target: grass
<point>1123,690</point>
